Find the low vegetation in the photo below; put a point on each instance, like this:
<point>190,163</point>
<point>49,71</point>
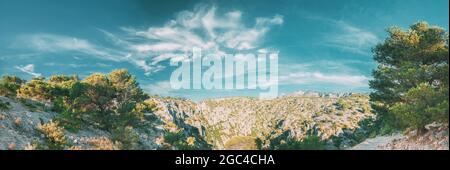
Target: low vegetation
<point>180,141</point>
<point>103,143</point>
<point>54,135</point>
<point>112,102</point>
<point>4,106</point>
<point>241,143</point>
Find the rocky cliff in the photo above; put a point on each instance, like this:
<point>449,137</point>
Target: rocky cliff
<point>223,121</point>
<point>340,121</point>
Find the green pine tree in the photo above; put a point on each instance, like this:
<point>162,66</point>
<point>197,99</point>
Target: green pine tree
<point>411,81</point>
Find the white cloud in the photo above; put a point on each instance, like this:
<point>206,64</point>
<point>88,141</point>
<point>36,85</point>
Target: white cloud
<point>66,65</point>
<point>357,36</point>
<point>159,88</point>
<point>204,27</point>
<point>60,43</point>
<point>103,65</point>
<point>321,72</point>
<point>318,77</point>
<point>29,69</point>
<point>351,38</point>
<point>158,47</point>
<point>346,36</point>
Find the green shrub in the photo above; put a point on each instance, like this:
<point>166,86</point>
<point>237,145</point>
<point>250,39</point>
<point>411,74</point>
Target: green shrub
<point>342,104</point>
<point>36,89</point>
<point>32,105</point>
<point>9,85</point>
<point>69,121</point>
<point>4,106</point>
<point>127,138</point>
<point>423,105</point>
<point>366,108</point>
<point>176,139</point>
<point>181,141</point>
<point>308,143</point>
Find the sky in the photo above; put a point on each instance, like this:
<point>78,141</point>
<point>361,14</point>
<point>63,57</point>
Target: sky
<point>322,45</point>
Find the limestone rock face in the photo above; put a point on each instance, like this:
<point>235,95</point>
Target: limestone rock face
<point>298,116</point>
<point>18,128</point>
<point>211,123</point>
<point>436,138</point>
<point>219,120</point>
<point>17,125</point>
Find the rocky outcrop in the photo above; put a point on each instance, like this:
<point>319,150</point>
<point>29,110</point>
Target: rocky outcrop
<point>435,138</point>
<point>18,125</point>
<point>219,120</point>
<point>19,128</point>
<point>377,142</point>
<point>177,115</point>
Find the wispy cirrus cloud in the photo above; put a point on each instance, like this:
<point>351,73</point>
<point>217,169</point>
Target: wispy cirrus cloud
<point>160,88</point>
<point>29,69</point>
<point>203,27</point>
<point>53,43</point>
<point>345,36</point>
<point>351,38</point>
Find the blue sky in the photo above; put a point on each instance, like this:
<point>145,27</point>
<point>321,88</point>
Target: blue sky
<point>323,45</point>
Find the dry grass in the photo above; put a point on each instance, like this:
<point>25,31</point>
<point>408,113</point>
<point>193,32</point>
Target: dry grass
<point>103,143</point>
<point>53,132</point>
<point>30,146</point>
<point>12,146</point>
<point>241,143</point>
<point>190,141</point>
<point>75,148</point>
<point>18,121</point>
